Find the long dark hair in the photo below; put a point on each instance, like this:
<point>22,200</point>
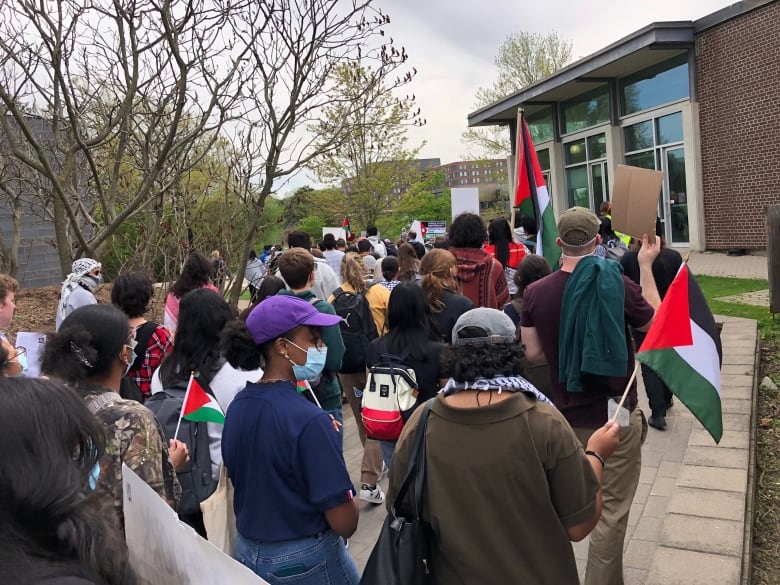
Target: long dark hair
<point>87,344</point>
<point>500,235</point>
<point>409,322</point>
<point>50,522</point>
<point>202,316</point>
<point>195,273</point>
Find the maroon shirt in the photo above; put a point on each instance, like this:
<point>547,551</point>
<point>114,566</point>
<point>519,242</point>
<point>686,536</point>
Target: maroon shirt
<point>542,302</point>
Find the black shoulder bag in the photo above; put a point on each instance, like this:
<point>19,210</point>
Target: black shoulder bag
<point>401,555</point>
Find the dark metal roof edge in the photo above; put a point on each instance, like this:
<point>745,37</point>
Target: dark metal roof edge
<point>727,13</point>
<point>658,32</point>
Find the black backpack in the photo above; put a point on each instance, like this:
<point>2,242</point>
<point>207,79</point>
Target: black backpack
<point>195,478</point>
<point>357,328</point>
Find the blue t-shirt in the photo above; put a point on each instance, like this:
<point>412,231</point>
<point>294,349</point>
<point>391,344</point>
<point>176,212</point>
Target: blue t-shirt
<point>284,460</point>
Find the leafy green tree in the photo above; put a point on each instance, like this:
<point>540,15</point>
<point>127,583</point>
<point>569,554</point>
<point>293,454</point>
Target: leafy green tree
<point>371,160</point>
<point>428,199</point>
<point>523,58</point>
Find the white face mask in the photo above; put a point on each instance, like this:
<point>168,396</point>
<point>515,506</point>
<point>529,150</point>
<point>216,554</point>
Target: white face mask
<point>591,253</point>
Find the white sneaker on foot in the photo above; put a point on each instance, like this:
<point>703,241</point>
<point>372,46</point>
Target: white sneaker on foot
<point>372,494</point>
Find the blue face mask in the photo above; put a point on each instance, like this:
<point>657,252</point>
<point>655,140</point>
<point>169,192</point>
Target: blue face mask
<point>22,357</point>
<point>315,362</point>
<point>93,477</point>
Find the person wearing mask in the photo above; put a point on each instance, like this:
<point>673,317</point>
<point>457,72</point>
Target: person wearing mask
<point>53,529</point>
<point>90,353</point>
<point>412,337</point>
<point>439,271</point>
<point>79,287</point>
<point>502,461</point>
<point>195,274</point>
<point>576,319</point>
<point>297,268</point>
<point>132,293</point>
<point>294,500</point>
<point>481,276</point>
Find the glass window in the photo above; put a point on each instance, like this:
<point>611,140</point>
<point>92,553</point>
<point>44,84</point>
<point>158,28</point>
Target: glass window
<point>575,152</point>
<point>654,86</point>
<point>577,185</point>
<point>638,136</point>
<point>586,110</point>
<point>540,125</point>
<point>645,160</point>
<point>670,128</point>
<point>597,146</point>
<point>544,158</point>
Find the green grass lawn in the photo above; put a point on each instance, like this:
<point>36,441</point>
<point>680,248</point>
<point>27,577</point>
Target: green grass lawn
<point>715,287</point>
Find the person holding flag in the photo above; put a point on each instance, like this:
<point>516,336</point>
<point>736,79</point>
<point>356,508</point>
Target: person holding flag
<point>576,319</point>
<point>294,500</point>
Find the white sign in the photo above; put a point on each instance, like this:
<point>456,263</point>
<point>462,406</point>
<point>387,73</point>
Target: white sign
<point>164,550</point>
<point>338,232</point>
<point>33,343</point>
<point>464,199</point>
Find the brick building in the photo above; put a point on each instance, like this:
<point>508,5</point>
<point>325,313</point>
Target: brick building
<point>695,99</point>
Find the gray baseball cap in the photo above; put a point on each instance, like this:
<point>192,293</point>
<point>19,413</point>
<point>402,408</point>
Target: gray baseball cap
<point>483,325</point>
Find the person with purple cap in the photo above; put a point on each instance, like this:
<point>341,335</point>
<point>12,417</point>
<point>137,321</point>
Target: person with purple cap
<point>294,500</point>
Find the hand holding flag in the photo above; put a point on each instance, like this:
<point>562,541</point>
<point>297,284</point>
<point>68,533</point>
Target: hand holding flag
<point>199,406</point>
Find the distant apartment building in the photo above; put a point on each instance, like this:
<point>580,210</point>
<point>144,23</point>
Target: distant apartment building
<point>489,176</point>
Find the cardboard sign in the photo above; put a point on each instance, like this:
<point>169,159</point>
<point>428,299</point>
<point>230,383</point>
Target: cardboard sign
<point>164,550</point>
<point>635,195</point>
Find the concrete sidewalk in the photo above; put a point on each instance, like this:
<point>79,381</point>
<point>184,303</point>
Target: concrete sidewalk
<point>691,519</point>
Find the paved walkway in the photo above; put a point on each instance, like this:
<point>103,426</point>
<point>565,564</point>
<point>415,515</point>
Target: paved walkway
<point>690,520</point>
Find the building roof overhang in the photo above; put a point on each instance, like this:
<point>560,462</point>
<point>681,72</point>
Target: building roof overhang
<point>648,46</point>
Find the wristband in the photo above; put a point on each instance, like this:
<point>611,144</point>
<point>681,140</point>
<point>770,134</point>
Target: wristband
<point>597,456</point>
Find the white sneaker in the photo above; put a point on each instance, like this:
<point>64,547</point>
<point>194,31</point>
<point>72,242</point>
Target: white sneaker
<point>372,495</point>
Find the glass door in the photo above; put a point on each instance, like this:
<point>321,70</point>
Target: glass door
<point>675,200</point>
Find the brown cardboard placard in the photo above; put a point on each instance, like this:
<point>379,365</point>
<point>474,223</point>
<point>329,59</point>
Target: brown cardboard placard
<point>635,193</point>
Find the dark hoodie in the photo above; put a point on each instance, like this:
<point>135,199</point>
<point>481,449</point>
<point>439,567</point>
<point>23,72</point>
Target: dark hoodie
<point>481,277</point>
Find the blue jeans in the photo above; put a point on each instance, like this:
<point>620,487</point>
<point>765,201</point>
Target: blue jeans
<point>388,447</point>
<point>317,560</point>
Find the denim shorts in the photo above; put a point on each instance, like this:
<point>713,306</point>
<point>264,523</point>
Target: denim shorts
<point>317,560</point>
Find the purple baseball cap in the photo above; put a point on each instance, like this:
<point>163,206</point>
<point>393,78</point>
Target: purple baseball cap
<point>281,313</point>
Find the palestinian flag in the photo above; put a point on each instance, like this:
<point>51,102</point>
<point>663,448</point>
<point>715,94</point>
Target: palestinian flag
<point>200,406</point>
<point>531,196</point>
<point>347,229</point>
<point>683,348</point>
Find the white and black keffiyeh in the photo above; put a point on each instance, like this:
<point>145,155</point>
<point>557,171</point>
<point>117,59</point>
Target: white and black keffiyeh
<point>79,270</point>
<point>497,383</point>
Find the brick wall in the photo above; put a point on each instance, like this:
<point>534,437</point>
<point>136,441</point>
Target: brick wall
<point>738,72</point>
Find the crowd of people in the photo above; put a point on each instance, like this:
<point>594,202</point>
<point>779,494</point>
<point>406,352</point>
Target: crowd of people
<point>520,362</point>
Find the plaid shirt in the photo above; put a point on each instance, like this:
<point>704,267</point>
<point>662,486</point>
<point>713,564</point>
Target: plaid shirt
<point>160,343</point>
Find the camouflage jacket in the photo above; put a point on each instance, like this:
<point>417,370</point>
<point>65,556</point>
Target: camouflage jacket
<point>133,437</point>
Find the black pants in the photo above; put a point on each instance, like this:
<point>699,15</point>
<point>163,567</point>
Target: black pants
<point>658,393</point>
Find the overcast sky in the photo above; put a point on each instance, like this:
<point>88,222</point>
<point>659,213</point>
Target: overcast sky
<point>453,44</point>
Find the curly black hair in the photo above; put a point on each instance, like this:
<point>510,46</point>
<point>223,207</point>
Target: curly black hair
<point>466,363</point>
<point>132,292</point>
<point>468,231</point>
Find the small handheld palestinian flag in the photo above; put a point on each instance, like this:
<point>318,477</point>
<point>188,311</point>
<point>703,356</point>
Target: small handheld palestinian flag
<point>683,347</point>
<point>199,406</point>
<point>303,386</point>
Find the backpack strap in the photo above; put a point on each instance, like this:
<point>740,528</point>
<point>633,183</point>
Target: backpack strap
<point>143,335</point>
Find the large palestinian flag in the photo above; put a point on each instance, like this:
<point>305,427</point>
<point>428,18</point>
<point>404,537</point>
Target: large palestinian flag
<point>683,348</point>
<point>531,196</point>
